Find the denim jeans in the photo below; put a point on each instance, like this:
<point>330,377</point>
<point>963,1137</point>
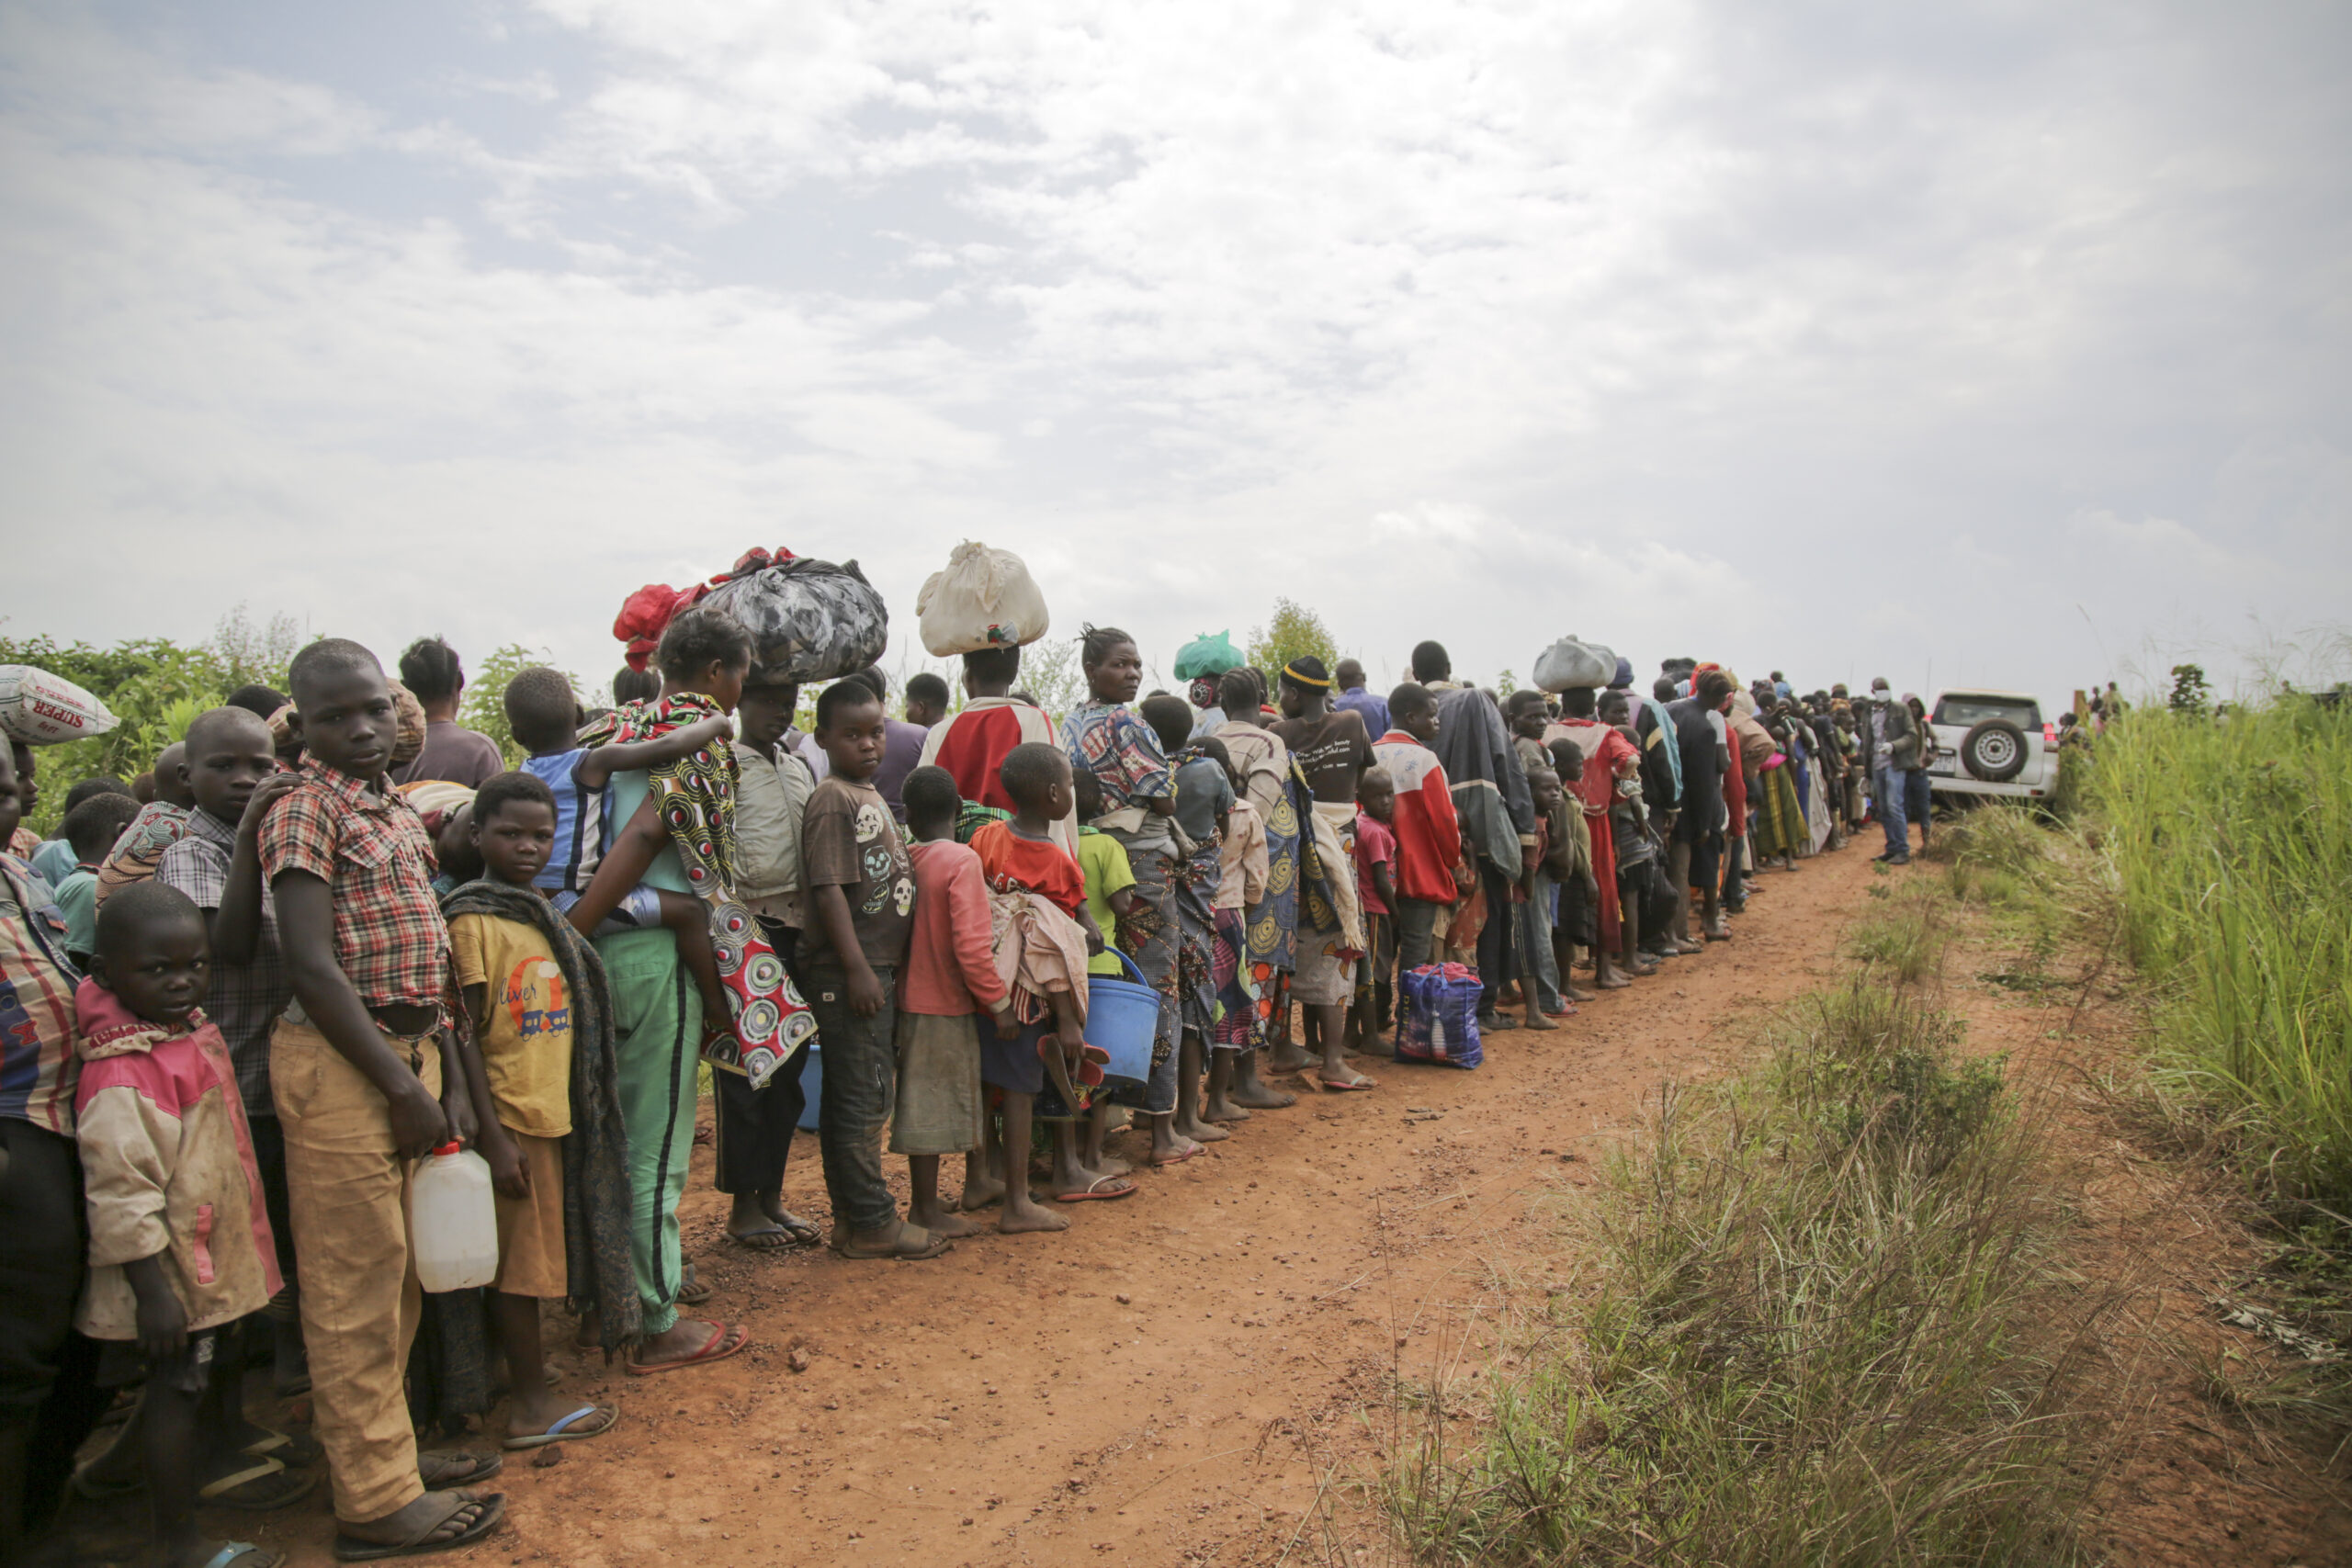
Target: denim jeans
<point>1887,784</point>
<point>861,1079</point>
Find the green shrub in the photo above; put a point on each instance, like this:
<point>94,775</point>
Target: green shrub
<point>1822,1334</point>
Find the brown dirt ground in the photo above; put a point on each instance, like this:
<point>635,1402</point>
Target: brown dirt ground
<point>1205,1373</point>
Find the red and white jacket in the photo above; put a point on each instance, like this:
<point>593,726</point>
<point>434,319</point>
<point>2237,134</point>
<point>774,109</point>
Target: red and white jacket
<point>167,1165</point>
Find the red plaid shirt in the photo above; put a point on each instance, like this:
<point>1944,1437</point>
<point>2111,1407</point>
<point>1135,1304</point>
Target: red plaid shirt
<point>372,852</point>
<point>38,1068</point>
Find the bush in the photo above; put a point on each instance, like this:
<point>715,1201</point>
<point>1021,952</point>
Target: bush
<point>1820,1335</point>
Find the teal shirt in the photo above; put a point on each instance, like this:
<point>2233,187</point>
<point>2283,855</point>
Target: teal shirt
<point>77,900</point>
<point>624,793</point>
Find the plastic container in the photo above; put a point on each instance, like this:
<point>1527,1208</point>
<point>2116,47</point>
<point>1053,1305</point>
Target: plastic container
<point>453,1223</point>
<point>812,1084</point>
<point>1122,1018</point>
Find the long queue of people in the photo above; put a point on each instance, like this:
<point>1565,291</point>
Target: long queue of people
<point>339,934</point>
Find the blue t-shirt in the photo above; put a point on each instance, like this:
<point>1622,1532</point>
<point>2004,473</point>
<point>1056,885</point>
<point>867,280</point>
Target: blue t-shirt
<point>1373,709</point>
<point>579,822</point>
<point>77,900</point>
<point>1203,789</point>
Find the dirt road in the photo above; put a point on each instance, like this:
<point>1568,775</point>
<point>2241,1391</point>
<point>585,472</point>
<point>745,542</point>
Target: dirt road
<point>1172,1379</point>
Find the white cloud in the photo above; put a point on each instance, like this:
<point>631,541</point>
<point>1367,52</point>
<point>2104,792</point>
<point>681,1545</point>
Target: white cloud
<point>1794,336</point>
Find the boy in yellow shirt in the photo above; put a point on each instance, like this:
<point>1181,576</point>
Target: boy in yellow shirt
<point>524,999</point>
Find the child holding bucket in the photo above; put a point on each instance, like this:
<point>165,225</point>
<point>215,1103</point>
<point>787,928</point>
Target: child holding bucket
<point>1044,935</point>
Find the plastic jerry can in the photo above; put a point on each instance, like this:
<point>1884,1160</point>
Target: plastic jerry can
<point>453,1222</point>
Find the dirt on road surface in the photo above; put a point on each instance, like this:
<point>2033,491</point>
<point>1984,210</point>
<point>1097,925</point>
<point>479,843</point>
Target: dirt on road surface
<point>1207,1373</point>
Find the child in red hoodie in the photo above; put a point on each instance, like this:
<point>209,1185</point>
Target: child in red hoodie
<point>180,1246</point>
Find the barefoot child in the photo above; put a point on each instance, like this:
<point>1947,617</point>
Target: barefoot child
<point>1045,937</point>
<point>861,891</point>
<point>359,1061</point>
<point>1204,794</point>
<point>1242,870</point>
<point>950,977</point>
<point>1376,886</point>
<point>180,1247</point>
<point>526,978</point>
<point>755,1126</point>
<point>1110,898</point>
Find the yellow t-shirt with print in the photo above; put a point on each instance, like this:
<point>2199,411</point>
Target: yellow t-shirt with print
<point>526,1042</point>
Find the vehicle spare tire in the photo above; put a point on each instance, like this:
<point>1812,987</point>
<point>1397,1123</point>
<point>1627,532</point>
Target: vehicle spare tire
<point>1994,751</point>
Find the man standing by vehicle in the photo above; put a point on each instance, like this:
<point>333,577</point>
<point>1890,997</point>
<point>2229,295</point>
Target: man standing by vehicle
<point>1893,740</point>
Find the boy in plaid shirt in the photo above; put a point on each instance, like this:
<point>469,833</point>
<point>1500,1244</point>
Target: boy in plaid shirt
<point>358,1065</point>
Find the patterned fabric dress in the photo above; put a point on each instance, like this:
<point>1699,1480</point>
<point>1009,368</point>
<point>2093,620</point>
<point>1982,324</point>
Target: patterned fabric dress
<point>1272,951</point>
<point>696,796</point>
<point>1110,741</point>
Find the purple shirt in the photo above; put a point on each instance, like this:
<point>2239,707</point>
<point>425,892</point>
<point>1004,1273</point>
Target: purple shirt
<point>454,755</point>
<point>901,753</point>
<point>1373,709</point>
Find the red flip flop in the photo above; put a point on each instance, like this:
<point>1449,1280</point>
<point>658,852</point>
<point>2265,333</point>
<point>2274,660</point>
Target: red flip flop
<point>1094,1194</point>
<point>723,1344</point>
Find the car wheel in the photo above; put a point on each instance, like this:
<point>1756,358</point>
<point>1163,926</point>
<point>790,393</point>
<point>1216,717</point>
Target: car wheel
<point>1994,751</point>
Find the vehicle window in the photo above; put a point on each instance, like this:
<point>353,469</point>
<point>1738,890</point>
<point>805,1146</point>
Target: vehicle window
<point>1962,712</point>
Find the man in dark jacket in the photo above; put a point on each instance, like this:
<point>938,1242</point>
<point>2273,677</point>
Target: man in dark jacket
<point>1892,742</point>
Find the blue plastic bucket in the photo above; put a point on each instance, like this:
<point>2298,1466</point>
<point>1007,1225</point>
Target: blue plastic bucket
<point>812,1084</point>
<point>1122,1018</point>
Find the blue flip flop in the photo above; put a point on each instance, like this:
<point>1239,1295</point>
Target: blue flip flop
<point>561,1430</point>
<point>237,1551</point>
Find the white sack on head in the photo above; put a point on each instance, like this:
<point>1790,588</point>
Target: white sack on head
<point>984,599</point>
<point>1569,663</point>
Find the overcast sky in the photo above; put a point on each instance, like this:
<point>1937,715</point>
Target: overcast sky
<point>1989,343</point>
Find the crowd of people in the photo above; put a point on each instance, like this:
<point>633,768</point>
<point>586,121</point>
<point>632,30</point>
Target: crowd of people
<point>333,932</point>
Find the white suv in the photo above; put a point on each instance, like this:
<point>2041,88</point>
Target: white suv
<point>1991,743</point>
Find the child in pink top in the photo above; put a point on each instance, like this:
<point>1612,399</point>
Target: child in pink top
<point>950,975</point>
<point>1377,886</point>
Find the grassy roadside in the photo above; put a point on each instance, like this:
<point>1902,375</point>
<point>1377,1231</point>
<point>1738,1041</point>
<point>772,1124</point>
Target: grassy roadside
<point>1833,1322</point>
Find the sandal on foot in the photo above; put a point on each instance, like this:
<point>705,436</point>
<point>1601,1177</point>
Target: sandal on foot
<point>1189,1150</point>
<point>244,1554</point>
<point>259,1488</point>
<point>563,1431</point>
<point>722,1344</point>
<point>765,1238</point>
<point>1102,1189</point>
<point>913,1244</point>
<point>1356,1085</point>
<point>440,1468</point>
<point>296,1451</point>
<point>490,1510</point>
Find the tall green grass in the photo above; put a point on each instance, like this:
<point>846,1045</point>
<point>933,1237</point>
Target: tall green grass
<point>2231,844</point>
<point>1833,1327</point>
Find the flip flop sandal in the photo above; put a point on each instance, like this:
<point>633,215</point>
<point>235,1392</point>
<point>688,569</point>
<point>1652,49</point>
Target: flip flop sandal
<point>251,1489</point>
<point>693,1290</point>
<point>1355,1086</point>
<point>106,1491</point>
<point>296,1452</point>
<point>244,1554</point>
<point>750,1240</point>
<point>901,1247</point>
<point>721,1345</point>
<point>481,1468</point>
<point>1097,1193</point>
<point>803,1232</point>
<point>561,1431</point>
<point>348,1548</point>
<point>1158,1164</point>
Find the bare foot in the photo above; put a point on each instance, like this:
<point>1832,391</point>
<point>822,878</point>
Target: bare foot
<point>942,1221</point>
<point>1575,993</point>
<point>1257,1096</point>
<point>1220,1109</point>
<point>1535,1019</point>
<point>1287,1058</point>
<point>1199,1131</point>
<point>1023,1215</point>
<point>982,1193</point>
